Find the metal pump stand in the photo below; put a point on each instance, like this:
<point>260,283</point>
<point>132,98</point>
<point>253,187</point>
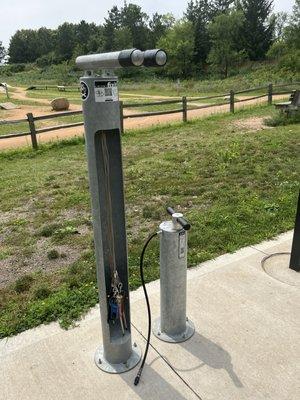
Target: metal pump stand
<point>101,111</point>
<point>173,326</point>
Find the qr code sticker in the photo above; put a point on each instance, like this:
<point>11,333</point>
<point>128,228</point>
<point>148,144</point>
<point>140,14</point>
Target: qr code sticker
<point>106,91</point>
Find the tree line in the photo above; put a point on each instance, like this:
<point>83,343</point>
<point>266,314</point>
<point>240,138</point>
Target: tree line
<point>216,35</point>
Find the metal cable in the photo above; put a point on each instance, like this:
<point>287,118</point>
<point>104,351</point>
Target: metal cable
<point>111,247</point>
<point>138,376</point>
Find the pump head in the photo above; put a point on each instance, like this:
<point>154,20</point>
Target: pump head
<point>178,217</point>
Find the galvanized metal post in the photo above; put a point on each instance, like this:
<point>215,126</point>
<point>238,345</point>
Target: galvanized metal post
<point>103,127</point>
<point>101,111</point>
<point>173,325</point>
<point>122,116</point>
<point>295,253</point>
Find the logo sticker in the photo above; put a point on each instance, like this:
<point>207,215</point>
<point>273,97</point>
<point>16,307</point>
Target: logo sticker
<point>84,91</point>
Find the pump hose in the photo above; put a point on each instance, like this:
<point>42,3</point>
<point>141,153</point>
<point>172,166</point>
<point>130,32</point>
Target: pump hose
<point>137,378</point>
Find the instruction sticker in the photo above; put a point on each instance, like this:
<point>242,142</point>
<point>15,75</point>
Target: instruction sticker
<point>181,247</point>
<point>106,91</point>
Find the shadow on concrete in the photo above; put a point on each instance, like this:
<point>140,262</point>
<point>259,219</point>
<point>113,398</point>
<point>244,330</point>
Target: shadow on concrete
<point>153,386</point>
<point>210,354</point>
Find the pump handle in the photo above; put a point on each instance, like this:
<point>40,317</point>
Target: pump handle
<point>182,221</point>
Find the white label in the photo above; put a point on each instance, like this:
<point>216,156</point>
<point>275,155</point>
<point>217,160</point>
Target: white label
<point>181,247</point>
<point>106,91</point>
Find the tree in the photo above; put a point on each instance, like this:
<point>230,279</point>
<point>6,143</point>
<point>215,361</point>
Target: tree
<point>135,20</point>
<point>129,20</point>
<point>2,52</point>
<point>256,34</point>
<point>281,20</point>
<point>292,32</point>
<point>220,6</point>
<point>223,32</point>
<point>23,46</point>
<point>286,48</point>
<point>158,25</point>
<point>179,44</point>
<point>83,32</point>
<point>111,25</point>
<point>45,41</point>
<point>65,41</point>
<point>199,13</point>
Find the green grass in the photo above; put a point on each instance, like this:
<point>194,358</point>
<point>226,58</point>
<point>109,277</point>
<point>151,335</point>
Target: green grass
<point>236,187</point>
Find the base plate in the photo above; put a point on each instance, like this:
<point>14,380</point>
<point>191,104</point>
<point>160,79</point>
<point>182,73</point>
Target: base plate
<point>105,366</point>
<point>182,337</point>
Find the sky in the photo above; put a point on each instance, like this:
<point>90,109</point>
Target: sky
<point>21,14</point>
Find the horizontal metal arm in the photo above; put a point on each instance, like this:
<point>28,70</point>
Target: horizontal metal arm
<point>116,59</point>
<point>123,58</point>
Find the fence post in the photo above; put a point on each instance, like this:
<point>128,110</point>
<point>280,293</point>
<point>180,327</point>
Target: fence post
<point>270,93</point>
<point>231,99</point>
<point>32,131</point>
<point>184,109</point>
<point>121,116</point>
<point>6,91</point>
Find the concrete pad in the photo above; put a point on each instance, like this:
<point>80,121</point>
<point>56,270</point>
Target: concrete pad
<point>277,265</point>
<point>247,325</point>
<point>8,106</point>
<point>61,366</point>
<point>276,246</point>
<point>245,345</point>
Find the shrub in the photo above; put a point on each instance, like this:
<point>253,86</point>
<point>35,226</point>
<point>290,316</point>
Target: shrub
<point>283,119</point>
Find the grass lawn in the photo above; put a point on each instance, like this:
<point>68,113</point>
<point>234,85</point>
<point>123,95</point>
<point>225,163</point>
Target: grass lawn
<point>235,184</point>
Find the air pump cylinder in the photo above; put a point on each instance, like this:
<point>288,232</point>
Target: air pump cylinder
<point>173,324</point>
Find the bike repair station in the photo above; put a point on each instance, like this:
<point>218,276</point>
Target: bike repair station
<point>102,122</point>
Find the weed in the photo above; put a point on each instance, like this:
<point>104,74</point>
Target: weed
<point>41,293</point>
<point>53,254</point>
<point>48,230</point>
<point>23,283</point>
<point>68,230</point>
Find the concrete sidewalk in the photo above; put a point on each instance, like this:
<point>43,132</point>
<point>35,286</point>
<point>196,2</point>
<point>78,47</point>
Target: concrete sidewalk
<point>246,344</point>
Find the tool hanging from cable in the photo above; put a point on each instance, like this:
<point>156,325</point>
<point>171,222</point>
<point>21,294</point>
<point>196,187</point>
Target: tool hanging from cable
<point>116,303</point>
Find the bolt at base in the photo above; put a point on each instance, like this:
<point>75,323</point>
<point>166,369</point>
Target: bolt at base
<point>173,338</point>
<point>105,366</point>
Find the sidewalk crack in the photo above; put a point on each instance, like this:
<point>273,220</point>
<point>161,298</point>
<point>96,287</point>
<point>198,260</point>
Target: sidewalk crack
<point>261,251</point>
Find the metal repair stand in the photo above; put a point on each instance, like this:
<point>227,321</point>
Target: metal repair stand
<point>102,122</point>
<point>103,145</point>
<point>173,326</point>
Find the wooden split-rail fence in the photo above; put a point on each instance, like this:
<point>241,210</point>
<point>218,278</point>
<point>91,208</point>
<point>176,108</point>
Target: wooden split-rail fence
<point>184,103</point>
